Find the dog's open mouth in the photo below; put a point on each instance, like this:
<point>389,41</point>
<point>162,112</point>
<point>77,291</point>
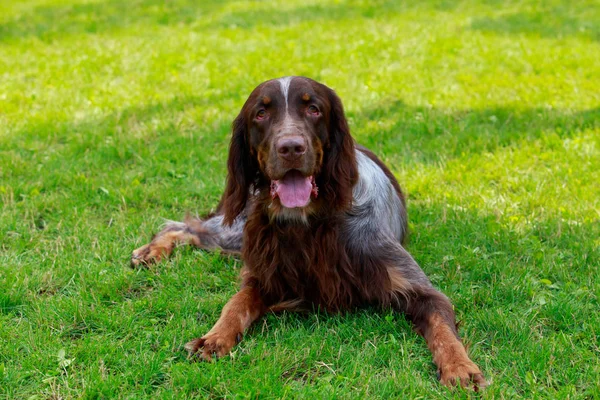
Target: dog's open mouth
<point>294,189</point>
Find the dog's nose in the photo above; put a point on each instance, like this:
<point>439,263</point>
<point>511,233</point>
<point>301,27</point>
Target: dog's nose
<point>291,148</point>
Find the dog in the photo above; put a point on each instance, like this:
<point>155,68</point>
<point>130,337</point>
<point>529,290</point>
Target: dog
<point>319,222</point>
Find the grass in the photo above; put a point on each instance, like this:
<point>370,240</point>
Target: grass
<point>115,115</point>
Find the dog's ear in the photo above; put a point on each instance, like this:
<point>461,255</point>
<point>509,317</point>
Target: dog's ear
<point>340,171</point>
<point>241,171</point>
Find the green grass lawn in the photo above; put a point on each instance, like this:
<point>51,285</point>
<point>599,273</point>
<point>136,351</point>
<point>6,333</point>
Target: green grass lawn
<point>115,115</point>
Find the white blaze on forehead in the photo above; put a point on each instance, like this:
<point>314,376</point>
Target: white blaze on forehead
<point>284,84</point>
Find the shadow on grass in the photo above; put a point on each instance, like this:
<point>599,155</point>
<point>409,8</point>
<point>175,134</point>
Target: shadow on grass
<point>568,19</point>
<point>48,22</point>
<point>398,133</point>
<point>426,135</point>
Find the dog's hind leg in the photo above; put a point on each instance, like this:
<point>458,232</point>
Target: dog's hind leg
<point>209,234</point>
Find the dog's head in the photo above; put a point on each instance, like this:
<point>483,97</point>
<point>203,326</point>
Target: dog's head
<point>291,139</point>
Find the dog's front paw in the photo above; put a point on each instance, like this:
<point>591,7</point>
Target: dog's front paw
<point>212,345</point>
<point>464,373</point>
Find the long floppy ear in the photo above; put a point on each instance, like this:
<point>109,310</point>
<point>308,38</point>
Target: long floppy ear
<point>340,171</point>
<point>241,171</point>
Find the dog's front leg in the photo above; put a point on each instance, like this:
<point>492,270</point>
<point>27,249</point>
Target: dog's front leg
<point>237,315</point>
<point>433,316</point>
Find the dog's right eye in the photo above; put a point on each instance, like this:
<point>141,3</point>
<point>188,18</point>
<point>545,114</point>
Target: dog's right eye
<point>262,114</point>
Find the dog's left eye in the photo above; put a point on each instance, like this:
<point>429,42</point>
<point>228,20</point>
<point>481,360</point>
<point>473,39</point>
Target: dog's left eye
<point>313,110</point>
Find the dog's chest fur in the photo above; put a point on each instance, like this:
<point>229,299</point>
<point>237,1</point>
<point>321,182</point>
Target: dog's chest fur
<point>309,262</point>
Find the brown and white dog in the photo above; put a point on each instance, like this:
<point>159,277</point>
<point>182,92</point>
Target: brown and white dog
<point>319,222</point>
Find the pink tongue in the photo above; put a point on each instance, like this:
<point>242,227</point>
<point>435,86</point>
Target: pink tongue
<point>294,190</point>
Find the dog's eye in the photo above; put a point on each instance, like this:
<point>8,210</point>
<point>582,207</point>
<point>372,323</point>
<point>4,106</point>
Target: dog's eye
<point>313,110</point>
<point>262,114</point>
